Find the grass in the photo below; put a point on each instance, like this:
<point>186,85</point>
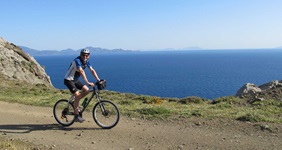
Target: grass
<point>153,107</point>
<point>146,107</point>
<point>12,144</point>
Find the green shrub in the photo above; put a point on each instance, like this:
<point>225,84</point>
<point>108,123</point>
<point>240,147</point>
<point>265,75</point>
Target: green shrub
<point>151,99</point>
<point>252,117</point>
<point>196,113</point>
<point>154,111</point>
<point>172,99</point>
<point>126,102</point>
<point>130,96</point>
<point>269,102</point>
<point>191,99</point>
<point>229,100</point>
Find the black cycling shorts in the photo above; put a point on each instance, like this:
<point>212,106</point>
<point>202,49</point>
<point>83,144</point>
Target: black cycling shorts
<point>73,85</point>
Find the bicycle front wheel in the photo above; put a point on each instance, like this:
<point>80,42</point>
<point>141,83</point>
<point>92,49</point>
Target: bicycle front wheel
<point>64,112</point>
<point>106,114</point>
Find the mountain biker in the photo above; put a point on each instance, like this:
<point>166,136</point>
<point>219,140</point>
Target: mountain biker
<point>75,70</point>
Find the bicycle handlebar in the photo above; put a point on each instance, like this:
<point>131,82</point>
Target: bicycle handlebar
<point>101,84</point>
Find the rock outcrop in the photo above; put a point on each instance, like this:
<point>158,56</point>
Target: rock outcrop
<point>17,65</point>
<point>270,90</point>
<point>247,90</point>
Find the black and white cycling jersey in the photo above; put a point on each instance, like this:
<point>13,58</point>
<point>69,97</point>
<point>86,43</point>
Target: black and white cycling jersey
<point>73,72</point>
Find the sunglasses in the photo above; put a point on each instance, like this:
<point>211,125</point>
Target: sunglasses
<point>85,55</point>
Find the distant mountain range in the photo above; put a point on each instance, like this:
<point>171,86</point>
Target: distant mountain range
<point>34,52</point>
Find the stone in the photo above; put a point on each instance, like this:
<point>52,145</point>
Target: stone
<point>248,89</point>
<point>271,85</point>
<point>15,64</point>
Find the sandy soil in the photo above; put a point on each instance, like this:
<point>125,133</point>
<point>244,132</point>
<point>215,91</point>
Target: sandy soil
<point>37,125</point>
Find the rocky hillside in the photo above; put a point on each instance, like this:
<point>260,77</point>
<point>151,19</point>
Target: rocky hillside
<point>19,66</point>
<point>252,92</point>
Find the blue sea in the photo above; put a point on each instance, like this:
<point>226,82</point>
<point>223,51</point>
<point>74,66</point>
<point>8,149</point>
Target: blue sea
<point>204,73</point>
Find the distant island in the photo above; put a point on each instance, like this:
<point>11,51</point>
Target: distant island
<point>34,52</point>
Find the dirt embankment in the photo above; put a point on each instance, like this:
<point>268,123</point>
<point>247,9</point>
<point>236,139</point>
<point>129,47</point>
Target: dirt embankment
<point>37,125</point>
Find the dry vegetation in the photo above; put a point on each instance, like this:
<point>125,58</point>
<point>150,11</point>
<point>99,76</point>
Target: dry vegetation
<point>149,107</point>
<point>152,107</point>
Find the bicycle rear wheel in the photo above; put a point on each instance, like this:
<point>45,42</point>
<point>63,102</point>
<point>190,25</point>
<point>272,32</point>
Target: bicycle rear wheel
<point>106,114</point>
<point>64,112</point>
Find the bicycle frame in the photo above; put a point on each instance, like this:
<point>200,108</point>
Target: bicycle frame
<point>94,92</point>
<point>105,113</point>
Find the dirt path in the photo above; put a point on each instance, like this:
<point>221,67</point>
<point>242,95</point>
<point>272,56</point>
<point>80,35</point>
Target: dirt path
<point>37,125</point>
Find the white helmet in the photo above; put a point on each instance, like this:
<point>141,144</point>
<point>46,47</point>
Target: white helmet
<point>85,51</point>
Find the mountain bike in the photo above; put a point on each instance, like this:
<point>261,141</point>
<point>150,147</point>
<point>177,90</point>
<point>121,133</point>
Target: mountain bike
<point>105,113</point>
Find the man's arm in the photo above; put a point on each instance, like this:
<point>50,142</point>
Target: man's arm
<point>82,73</point>
<point>94,73</point>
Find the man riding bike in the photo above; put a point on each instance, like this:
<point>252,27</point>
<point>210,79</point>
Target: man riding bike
<point>76,69</point>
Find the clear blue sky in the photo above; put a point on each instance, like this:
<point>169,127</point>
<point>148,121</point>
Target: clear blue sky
<point>142,24</point>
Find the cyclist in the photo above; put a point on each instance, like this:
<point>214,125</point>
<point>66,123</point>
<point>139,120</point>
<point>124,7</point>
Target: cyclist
<point>76,69</point>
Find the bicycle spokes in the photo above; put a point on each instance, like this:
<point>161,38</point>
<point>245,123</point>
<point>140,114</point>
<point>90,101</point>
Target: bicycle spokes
<point>106,114</point>
<point>64,112</point>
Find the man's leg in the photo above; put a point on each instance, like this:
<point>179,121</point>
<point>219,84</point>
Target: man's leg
<point>73,86</point>
<point>78,96</point>
<point>76,102</point>
<point>85,91</point>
